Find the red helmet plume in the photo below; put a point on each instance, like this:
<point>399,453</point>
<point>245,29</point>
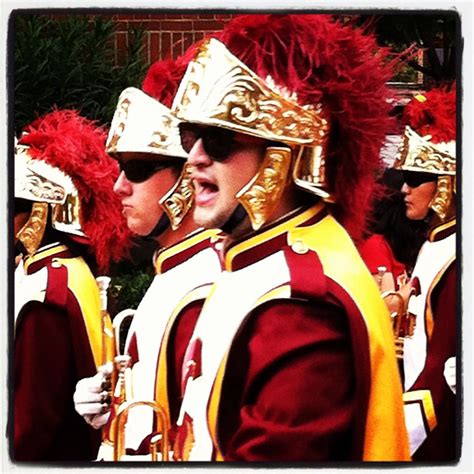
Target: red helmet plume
<point>163,77</point>
<point>433,113</point>
<point>324,61</point>
<point>76,146</point>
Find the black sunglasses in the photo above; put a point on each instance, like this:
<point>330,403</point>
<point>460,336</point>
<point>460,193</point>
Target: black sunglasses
<point>417,178</point>
<point>217,142</point>
<point>138,171</point>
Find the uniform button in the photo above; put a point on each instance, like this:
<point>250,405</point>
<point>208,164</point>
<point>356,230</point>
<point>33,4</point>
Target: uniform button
<point>56,263</point>
<point>299,247</point>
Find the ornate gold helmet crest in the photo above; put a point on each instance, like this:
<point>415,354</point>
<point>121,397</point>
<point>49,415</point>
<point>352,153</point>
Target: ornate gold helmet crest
<point>218,90</point>
<point>418,153</point>
<point>44,185</point>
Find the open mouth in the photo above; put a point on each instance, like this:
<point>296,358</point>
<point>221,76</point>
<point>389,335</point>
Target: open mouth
<point>205,191</point>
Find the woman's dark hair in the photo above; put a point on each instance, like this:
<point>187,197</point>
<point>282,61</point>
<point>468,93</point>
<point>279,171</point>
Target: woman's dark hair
<point>404,236</point>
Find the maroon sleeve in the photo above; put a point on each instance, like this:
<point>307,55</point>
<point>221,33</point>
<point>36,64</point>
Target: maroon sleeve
<point>293,366</point>
<point>43,384</point>
<point>440,444</point>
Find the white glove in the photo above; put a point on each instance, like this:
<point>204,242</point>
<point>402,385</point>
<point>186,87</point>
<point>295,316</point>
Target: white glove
<point>92,399</point>
<point>450,373</point>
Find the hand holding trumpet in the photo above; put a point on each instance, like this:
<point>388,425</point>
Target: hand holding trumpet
<point>92,398</point>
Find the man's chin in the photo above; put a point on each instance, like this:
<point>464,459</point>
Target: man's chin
<point>208,219</point>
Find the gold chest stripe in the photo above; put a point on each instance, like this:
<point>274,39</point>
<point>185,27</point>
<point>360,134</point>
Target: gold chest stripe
<point>441,228</point>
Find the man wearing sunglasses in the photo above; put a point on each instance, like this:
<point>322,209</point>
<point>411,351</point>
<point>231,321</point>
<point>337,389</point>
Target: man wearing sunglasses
<point>156,195</point>
<point>428,161</point>
<point>292,357</point>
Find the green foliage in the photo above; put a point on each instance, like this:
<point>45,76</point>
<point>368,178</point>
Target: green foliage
<point>405,74</point>
<point>127,290</point>
<point>434,33</point>
<point>69,61</point>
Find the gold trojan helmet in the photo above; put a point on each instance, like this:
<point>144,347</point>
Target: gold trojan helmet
<point>144,126</point>
<point>61,165</point>
<point>45,186</point>
<point>429,145</point>
<point>219,90</point>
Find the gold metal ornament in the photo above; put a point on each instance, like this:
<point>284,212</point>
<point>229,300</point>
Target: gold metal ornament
<point>35,180</point>
<point>118,124</point>
<point>179,199</point>
<point>403,322</point>
<point>167,135</point>
<point>260,196</point>
<point>31,234</point>
<point>159,443</point>
<point>443,202</point>
<point>219,90</point>
<point>66,217</point>
<point>309,171</point>
<point>418,153</point>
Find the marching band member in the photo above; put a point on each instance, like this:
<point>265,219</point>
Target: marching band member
<point>428,160</point>
<point>292,357</point>
<point>156,193</point>
<point>66,214</point>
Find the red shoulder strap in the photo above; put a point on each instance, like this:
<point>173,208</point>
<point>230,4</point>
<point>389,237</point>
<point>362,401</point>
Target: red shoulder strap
<point>57,288</point>
<point>306,272</point>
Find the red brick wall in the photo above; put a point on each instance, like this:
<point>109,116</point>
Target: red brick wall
<point>166,35</point>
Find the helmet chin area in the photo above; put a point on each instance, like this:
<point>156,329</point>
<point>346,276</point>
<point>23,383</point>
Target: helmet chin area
<point>161,226</point>
<point>235,219</point>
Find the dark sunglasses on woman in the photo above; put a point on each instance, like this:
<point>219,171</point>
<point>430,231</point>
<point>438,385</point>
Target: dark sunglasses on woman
<point>413,179</point>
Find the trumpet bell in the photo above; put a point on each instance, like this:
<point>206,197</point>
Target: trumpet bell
<point>159,446</point>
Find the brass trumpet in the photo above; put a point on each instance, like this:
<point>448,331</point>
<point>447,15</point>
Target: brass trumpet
<point>118,384</point>
<point>121,390</point>
<point>398,318</point>
<point>403,323</point>
<point>103,283</point>
<point>160,441</point>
